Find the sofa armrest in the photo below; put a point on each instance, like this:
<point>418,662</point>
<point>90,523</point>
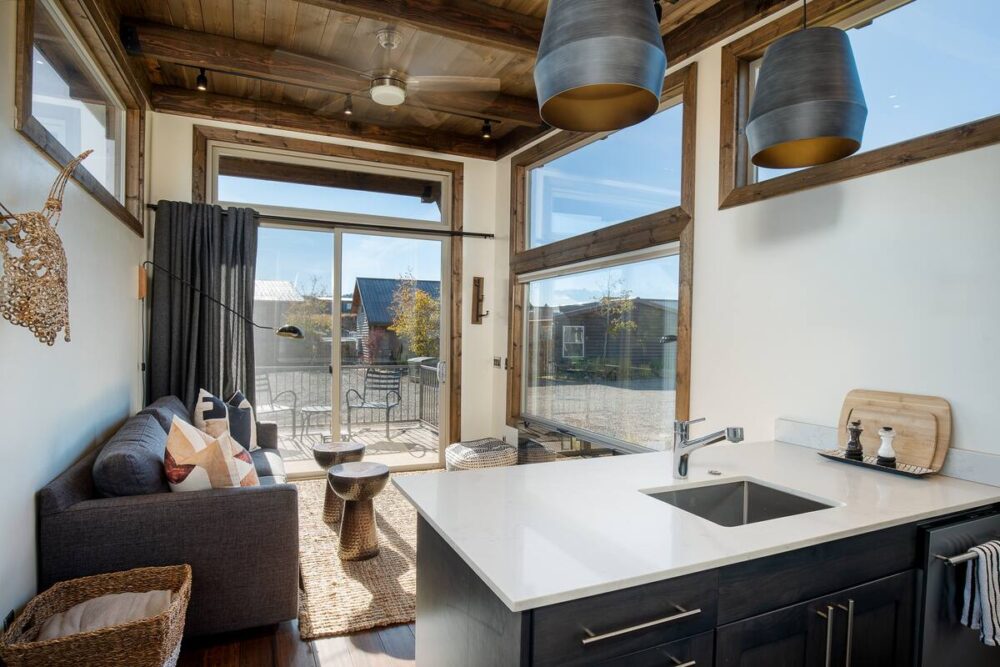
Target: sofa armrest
<point>242,545</point>
<point>267,435</point>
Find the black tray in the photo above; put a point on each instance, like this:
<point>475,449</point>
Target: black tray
<point>904,469</point>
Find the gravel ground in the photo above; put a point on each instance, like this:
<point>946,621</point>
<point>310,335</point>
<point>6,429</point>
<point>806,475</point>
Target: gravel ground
<point>641,413</point>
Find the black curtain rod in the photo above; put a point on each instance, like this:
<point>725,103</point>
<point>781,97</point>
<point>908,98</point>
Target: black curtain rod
<point>362,225</point>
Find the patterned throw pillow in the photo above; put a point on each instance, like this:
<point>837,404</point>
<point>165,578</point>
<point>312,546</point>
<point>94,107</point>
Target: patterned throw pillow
<point>214,416</point>
<point>197,461</point>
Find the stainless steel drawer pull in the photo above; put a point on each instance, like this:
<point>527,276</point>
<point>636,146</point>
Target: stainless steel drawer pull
<point>850,629</point>
<point>829,634</point>
<point>678,663</point>
<point>592,638</point>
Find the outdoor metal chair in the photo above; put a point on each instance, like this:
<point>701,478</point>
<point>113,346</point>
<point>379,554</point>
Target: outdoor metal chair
<point>380,392</point>
<point>268,404</point>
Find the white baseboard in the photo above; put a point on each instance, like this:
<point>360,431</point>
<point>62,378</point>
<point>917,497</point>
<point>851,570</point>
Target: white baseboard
<point>961,463</point>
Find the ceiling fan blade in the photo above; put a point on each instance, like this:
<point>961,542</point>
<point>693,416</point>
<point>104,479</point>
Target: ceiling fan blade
<point>454,84</point>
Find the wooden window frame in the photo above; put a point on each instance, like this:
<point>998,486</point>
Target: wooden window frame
<point>735,187</point>
<point>90,24</point>
<point>201,172</point>
<point>673,225</point>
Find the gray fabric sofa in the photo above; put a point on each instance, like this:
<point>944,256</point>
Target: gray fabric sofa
<point>113,510</point>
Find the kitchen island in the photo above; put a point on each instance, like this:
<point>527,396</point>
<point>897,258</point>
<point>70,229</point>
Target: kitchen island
<point>577,562</point>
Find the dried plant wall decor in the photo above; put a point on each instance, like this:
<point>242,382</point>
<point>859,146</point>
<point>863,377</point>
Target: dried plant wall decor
<point>34,287</point>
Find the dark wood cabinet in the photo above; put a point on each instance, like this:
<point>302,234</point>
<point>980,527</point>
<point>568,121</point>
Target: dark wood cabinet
<point>871,625</point>
<point>785,610</point>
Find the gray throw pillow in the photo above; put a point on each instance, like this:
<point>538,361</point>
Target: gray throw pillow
<point>131,462</point>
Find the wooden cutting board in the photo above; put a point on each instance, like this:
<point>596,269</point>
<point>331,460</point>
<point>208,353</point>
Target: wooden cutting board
<point>922,424</point>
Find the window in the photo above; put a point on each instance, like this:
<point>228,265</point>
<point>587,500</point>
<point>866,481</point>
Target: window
<point>600,263</point>
<point>626,175</point>
<point>573,337</point>
<point>927,67</point>
<point>614,374</point>
<point>326,188</point>
<point>66,105</point>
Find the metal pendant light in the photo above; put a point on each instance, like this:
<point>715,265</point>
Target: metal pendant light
<point>808,107</point>
<point>600,64</point>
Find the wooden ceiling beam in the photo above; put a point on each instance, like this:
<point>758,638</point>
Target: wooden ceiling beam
<point>267,63</point>
<point>285,117</point>
<point>716,23</point>
<point>471,21</point>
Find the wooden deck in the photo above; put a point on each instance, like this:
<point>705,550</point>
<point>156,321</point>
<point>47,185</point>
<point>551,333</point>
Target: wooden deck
<point>410,444</point>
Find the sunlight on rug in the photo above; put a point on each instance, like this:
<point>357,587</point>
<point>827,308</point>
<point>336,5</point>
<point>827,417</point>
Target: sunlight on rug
<point>339,598</point>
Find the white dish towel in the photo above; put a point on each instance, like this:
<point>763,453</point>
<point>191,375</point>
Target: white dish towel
<point>981,608</point>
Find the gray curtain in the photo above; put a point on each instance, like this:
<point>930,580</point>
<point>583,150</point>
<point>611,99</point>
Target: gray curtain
<point>194,343</point>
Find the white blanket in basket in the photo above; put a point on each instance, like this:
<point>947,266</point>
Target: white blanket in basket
<point>104,612</point>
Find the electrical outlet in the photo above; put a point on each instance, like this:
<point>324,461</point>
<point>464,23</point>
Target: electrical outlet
<point>8,619</point>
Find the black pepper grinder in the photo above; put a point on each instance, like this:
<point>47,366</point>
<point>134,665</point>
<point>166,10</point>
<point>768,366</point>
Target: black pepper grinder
<point>854,449</point>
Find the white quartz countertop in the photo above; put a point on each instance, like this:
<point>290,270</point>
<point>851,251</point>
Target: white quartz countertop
<point>548,533</point>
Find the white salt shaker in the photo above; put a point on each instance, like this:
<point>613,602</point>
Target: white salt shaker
<point>886,454</point>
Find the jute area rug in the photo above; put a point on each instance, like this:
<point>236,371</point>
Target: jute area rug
<point>339,598</point>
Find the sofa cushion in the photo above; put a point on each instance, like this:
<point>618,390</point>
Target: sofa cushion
<point>269,466</point>
<point>165,409</point>
<point>197,461</point>
<point>131,462</point>
<point>235,416</point>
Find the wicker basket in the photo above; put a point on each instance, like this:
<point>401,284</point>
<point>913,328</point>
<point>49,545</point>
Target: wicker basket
<point>150,642</point>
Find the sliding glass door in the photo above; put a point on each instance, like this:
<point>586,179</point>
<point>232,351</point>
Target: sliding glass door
<point>370,367</point>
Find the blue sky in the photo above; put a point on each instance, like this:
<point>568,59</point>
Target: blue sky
<point>924,67</point>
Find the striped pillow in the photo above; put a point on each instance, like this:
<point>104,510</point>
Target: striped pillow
<point>197,461</point>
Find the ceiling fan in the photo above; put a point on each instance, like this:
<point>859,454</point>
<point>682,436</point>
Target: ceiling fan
<point>390,84</point>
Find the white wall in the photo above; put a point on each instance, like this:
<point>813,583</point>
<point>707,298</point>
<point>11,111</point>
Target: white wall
<point>55,402</point>
<point>172,138</point>
<point>890,281</point>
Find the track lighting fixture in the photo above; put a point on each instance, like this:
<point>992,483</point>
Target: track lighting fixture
<point>201,83</point>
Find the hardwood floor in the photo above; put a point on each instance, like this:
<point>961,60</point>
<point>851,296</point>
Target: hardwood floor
<point>282,647</point>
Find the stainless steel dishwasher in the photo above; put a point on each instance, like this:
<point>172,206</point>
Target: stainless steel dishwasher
<point>944,640</point>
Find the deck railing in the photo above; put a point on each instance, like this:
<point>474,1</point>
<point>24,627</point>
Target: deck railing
<point>312,387</point>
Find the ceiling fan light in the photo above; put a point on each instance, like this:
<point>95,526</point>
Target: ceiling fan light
<point>808,108</point>
<point>388,91</point>
<point>600,64</point>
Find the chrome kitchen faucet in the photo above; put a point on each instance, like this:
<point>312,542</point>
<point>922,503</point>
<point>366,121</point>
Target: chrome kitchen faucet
<point>683,446</point>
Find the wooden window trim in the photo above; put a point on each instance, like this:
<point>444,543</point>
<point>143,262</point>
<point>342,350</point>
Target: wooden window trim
<point>87,20</point>
<point>734,186</point>
<point>672,225</point>
<point>201,170</point>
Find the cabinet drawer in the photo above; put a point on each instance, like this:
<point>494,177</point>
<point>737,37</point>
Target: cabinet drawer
<point>616,624</point>
<point>697,651</point>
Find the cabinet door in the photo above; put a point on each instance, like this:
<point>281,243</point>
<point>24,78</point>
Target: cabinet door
<point>884,621</point>
<point>796,636</point>
<point>871,625</point>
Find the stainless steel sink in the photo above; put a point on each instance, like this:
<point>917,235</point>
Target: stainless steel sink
<point>738,503</point>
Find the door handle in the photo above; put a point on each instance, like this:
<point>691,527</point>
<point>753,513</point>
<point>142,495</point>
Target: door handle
<point>681,663</point>
<point>829,633</point>
<point>850,629</point>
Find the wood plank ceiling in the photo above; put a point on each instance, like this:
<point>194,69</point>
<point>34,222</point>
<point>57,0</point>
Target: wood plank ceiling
<point>292,63</point>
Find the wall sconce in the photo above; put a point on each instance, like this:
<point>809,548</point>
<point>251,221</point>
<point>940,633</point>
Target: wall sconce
<point>477,300</point>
